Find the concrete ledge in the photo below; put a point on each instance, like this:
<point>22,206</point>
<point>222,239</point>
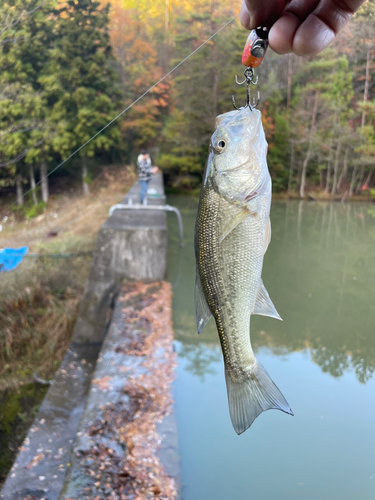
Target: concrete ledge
<point>40,468</point>
<point>127,444</point>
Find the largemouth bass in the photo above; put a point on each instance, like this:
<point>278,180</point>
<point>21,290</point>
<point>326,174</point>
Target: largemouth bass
<point>232,234</point>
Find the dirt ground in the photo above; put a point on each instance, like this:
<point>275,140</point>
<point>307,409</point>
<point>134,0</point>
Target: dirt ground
<point>70,222</point>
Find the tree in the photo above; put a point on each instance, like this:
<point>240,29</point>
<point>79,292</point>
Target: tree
<point>81,84</point>
<point>363,47</point>
<point>21,126</point>
<point>201,91</point>
<point>320,114</point>
<point>366,149</point>
<point>25,39</point>
<point>139,69</point>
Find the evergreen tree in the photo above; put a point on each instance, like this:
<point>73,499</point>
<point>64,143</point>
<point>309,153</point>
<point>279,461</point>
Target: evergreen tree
<point>25,39</point>
<point>201,93</point>
<point>60,84</point>
<point>363,47</point>
<point>81,83</point>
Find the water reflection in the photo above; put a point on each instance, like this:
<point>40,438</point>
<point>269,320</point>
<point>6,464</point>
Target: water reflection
<point>200,358</point>
<point>319,271</point>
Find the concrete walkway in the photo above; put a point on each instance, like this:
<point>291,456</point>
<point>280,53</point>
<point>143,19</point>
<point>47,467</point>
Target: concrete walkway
<point>131,246</point>
<point>40,468</point>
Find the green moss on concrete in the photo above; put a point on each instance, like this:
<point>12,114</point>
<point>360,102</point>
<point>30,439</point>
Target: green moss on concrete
<point>17,412</point>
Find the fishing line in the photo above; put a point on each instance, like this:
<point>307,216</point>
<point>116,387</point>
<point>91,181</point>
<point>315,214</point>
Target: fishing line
<point>131,105</point>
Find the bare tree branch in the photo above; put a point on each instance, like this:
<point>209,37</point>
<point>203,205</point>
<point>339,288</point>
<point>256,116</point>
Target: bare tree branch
<point>11,23</point>
<point>12,40</point>
<point>22,128</point>
<point>22,155</point>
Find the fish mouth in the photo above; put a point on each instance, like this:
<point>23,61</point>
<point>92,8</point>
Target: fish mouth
<point>242,122</point>
<point>236,117</point>
<point>232,118</point>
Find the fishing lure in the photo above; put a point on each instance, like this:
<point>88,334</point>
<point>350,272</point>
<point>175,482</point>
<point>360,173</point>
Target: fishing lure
<point>255,49</point>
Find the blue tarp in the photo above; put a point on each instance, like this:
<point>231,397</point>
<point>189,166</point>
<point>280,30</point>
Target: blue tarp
<point>10,258</point>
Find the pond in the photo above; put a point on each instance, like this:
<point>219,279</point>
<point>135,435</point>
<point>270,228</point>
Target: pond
<point>320,273</point>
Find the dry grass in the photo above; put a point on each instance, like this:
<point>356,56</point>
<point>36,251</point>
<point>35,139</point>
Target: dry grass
<point>36,321</point>
<point>39,301</point>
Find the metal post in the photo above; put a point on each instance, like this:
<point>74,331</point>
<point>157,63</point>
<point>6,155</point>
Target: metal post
<point>165,208</point>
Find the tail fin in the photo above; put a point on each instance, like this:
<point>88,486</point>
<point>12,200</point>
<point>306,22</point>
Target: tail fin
<point>247,400</point>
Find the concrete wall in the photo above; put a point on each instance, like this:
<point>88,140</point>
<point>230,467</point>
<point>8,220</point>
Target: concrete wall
<point>131,245</point>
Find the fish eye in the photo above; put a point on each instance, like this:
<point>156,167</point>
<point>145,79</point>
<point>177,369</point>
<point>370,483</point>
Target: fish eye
<point>220,145</point>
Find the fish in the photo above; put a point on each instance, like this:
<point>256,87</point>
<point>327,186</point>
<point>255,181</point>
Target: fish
<point>232,234</point>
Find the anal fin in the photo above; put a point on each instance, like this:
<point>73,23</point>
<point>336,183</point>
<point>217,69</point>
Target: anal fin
<point>263,304</point>
<point>202,311</point>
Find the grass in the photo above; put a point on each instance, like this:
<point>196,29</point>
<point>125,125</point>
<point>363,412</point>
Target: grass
<point>29,210</point>
<point>68,213</point>
<point>37,315</point>
<point>39,301</point>
<point>18,409</point>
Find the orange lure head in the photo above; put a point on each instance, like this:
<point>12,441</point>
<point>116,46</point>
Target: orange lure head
<point>255,48</point>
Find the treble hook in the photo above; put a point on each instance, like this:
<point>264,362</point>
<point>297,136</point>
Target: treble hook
<point>249,80</point>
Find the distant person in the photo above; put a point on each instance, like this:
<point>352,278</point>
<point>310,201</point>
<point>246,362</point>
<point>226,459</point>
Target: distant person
<point>145,170</point>
<point>301,26</point>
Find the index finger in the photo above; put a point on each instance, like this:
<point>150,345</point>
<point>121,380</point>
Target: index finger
<point>261,12</point>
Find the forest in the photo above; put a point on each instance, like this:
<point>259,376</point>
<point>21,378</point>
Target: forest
<point>68,68</point>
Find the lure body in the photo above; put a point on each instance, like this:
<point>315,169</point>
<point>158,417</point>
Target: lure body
<point>255,48</point>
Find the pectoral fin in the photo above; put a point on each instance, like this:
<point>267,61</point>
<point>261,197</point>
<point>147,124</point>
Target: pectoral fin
<point>243,215</point>
<point>268,236</point>
<point>263,304</point>
<point>202,311</point>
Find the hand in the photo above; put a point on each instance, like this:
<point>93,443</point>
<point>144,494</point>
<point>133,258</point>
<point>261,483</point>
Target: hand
<point>155,170</point>
<point>304,27</point>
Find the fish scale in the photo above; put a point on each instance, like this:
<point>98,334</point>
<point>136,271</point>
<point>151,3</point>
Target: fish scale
<point>229,272</point>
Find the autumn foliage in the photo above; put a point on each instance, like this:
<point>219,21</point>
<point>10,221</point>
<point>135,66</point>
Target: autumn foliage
<point>85,62</point>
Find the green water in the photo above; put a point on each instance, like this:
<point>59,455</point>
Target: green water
<point>18,408</point>
<point>320,273</point>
